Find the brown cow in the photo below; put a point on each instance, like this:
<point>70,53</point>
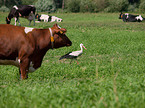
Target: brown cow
<point>25,47</point>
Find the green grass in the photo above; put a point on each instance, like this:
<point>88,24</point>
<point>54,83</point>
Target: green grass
<point>111,72</point>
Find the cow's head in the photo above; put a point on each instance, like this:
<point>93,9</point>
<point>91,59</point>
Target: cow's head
<point>121,15</point>
<point>8,20</point>
<point>36,16</point>
<point>60,38</point>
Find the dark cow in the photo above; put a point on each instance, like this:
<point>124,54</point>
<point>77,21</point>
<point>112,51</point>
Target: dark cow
<point>130,18</point>
<point>25,11</point>
<point>25,47</point>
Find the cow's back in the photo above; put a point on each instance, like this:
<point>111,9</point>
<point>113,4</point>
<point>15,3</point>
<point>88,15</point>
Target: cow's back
<point>10,40</point>
<point>25,10</point>
<point>11,32</point>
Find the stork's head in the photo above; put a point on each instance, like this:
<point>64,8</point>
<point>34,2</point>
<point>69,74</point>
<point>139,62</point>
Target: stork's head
<point>81,45</point>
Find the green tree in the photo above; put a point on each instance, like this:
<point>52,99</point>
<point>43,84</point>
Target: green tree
<point>10,3</point>
<point>72,5</point>
<point>45,5</point>
<point>142,6</point>
<point>28,2</point>
<point>117,5</point>
<point>58,3</point>
<point>4,9</point>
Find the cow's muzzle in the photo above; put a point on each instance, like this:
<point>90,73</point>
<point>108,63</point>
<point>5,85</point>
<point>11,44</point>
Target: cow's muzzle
<point>69,44</point>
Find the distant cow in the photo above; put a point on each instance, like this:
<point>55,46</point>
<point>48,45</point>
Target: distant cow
<point>47,18</point>
<point>43,17</point>
<point>25,11</point>
<point>25,47</point>
<point>54,18</point>
<point>130,18</point>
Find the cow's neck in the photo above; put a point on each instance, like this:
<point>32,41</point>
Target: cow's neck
<point>51,38</point>
<point>42,45</point>
<point>42,39</point>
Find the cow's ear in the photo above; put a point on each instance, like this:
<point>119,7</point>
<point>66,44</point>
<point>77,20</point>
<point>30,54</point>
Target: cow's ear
<point>61,31</point>
<point>7,18</point>
<point>55,25</point>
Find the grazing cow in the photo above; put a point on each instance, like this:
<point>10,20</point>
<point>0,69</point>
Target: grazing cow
<point>42,17</point>
<point>54,18</point>
<point>25,11</point>
<point>130,18</point>
<point>47,18</point>
<point>25,47</point>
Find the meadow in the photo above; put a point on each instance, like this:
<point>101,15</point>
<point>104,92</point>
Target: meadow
<point>110,74</point>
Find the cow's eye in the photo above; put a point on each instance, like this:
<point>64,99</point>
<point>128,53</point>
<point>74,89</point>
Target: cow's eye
<point>58,37</point>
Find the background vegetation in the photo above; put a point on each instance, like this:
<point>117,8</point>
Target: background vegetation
<point>79,5</point>
<point>111,72</point>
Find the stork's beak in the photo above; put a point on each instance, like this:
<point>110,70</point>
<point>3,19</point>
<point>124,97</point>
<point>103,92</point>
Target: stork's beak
<point>84,47</point>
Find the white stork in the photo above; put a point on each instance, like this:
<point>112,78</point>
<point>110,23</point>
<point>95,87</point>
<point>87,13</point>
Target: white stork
<point>74,54</point>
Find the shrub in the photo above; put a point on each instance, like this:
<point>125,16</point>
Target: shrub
<point>72,5</point>
<point>100,5</point>
<point>131,8</point>
<point>4,9</point>
<point>142,6</point>
<point>28,2</point>
<point>45,5</point>
<point>96,5</point>
<point>87,6</point>
<point>117,5</point>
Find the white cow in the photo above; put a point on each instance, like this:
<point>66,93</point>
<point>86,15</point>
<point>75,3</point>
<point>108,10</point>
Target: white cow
<point>47,18</point>
<point>44,17</point>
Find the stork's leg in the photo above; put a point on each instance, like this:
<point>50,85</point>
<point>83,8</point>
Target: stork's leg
<point>77,62</point>
<point>71,61</point>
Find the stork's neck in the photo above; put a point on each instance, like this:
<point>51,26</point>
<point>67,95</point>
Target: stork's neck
<point>81,48</point>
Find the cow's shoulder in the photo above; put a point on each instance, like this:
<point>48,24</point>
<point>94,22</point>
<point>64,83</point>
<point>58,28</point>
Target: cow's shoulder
<point>28,29</point>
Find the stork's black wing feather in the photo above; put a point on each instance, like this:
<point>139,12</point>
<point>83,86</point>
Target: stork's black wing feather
<point>67,56</point>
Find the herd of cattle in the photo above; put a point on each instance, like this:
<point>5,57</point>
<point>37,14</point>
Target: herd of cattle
<point>28,12</point>
<point>25,47</point>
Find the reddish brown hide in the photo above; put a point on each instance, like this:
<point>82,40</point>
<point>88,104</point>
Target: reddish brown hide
<point>25,47</point>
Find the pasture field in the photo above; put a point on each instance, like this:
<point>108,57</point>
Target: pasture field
<point>111,72</point>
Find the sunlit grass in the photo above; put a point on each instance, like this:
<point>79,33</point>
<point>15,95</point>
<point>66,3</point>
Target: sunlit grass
<point>110,73</point>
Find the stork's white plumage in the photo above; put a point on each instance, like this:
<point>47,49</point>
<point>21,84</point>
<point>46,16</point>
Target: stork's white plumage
<point>74,54</point>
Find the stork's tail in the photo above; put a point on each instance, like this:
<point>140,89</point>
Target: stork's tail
<point>64,56</point>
